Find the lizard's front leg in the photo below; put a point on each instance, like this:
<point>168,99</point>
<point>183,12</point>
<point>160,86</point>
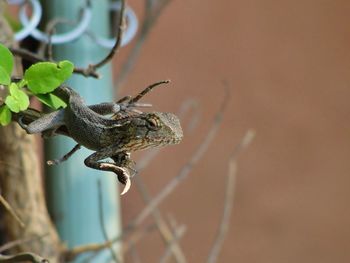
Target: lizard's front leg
<point>93,161</point>
<point>64,157</point>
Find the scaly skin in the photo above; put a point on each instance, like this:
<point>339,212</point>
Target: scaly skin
<point>108,137</point>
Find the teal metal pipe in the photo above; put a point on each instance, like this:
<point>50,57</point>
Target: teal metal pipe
<point>72,188</point>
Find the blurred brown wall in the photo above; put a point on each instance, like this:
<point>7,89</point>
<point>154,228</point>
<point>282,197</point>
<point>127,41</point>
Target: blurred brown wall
<point>288,67</point>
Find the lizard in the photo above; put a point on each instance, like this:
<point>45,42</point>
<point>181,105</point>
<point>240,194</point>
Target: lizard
<point>110,137</point>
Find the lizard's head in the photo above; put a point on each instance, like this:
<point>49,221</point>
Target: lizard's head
<point>153,129</point>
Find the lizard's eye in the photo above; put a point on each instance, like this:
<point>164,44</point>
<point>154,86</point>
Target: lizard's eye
<point>153,124</point>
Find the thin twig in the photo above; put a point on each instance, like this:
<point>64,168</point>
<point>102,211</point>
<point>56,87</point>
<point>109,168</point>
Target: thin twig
<point>26,54</point>
<point>23,257</point>
<point>223,228</point>
<point>153,9</point>
<point>102,222</point>
<point>146,90</point>
<point>135,255</point>
<point>133,101</point>
<point>117,42</point>
<point>11,211</point>
<point>137,236</point>
<point>33,57</point>
<point>163,228</point>
<point>18,242</point>
<point>179,233</point>
<point>71,254</point>
<point>229,198</point>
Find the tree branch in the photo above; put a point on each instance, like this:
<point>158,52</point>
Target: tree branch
<point>118,41</point>
<point>23,257</point>
<point>229,198</point>
<point>11,211</point>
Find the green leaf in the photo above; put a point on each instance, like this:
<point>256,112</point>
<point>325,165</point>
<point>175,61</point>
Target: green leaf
<point>45,77</point>
<point>6,59</point>
<point>12,103</point>
<point>5,115</point>
<point>51,100</point>
<point>67,68</point>
<point>17,100</point>
<point>5,78</point>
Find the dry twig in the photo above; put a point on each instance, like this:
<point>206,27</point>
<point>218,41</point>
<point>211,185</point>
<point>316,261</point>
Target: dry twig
<point>163,228</point>
<point>153,9</point>
<point>71,254</point>
<point>18,242</point>
<point>118,41</point>
<point>229,198</point>
<point>179,233</point>
<point>11,211</point>
<point>23,257</point>
<point>33,57</point>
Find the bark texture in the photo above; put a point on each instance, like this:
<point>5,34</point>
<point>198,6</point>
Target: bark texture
<point>21,185</point>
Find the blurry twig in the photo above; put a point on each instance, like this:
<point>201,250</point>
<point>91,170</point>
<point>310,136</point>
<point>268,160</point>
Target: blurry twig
<point>153,9</point>
<point>134,254</point>
<point>33,57</point>
<point>137,236</point>
<point>229,197</point>
<point>18,242</point>
<point>11,211</point>
<point>179,232</point>
<point>118,41</point>
<point>187,106</point>
<point>71,254</point>
<point>23,257</point>
<point>102,222</point>
<point>161,224</point>
<point>50,29</point>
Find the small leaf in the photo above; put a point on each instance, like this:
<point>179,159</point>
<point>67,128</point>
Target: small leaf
<point>5,115</point>
<point>45,77</point>
<point>18,100</point>
<point>67,68</point>
<point>5,78</point>
<point>51,100</point>
<point>6,59</point>
<point>12,103</point>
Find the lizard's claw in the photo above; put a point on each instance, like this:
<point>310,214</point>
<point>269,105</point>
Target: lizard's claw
<point>126,181</point>
<point>122,173</point>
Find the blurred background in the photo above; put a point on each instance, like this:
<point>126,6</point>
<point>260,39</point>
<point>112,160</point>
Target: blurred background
<point>287,67</point>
